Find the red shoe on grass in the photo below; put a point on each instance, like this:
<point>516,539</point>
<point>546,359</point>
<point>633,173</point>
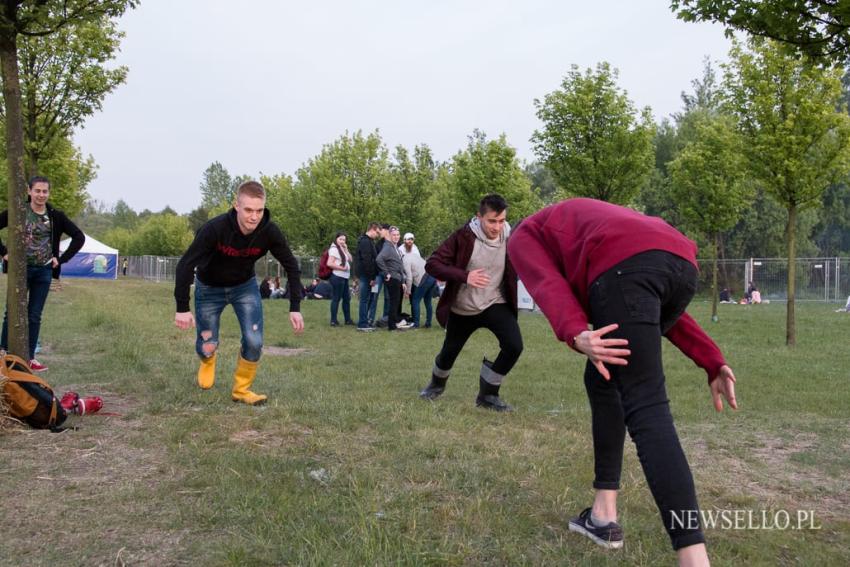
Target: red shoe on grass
<point>91,404</point>
<point>76,405</point>
<point>36,366</point>
<point>69,401</point>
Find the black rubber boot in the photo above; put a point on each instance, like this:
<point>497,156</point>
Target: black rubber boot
<point>434,389</point>
<point>488,394</point>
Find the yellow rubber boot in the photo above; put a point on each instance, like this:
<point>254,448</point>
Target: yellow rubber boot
<point>242,380</point>
<point>206,372</point>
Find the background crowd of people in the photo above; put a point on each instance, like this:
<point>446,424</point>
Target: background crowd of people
<point>382,264</point>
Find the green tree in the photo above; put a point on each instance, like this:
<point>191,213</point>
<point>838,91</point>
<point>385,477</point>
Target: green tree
<point>161,235</point>
<point>29,19</point>
<point>819,28</point>
<point>69,173</point>
<point>655,198</point>
<point>797,143</point>
<point>760,233</point>
<point>197,217</point>
<point>282,202</point>
<point>119,238</point>
<point>342,188</point>
<point>95,218</point>
<point>408,201</point>
<point>64,81</point>
<point>123,216</point>
<point>832,233</point>
<point>593,140</point>
<point>216,186</point>
<point>708,183</point>
<point>487,166</point>
<point>543,183</point>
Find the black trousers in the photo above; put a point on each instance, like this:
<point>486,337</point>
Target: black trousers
<point>498,319</point>
<point>645,295</point>
<point>394,291</point>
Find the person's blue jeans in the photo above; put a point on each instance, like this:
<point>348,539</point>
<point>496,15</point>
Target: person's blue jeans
<point>366,300</point>
<point>423,292</point>
<point>38,286</point>
<point>373,308</point>
<point>340,292</point>
<point>210,301</point>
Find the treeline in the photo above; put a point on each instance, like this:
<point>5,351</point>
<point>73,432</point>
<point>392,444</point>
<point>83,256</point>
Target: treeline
<point>354,180</point>
<point>704,169</point>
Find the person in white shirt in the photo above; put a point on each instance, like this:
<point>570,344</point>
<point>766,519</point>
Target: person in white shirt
<point>422,285</point>
<point>339,260</point>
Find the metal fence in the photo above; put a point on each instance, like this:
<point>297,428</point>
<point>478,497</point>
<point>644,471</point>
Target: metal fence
<point>163,268</point>
<point>816,279</point>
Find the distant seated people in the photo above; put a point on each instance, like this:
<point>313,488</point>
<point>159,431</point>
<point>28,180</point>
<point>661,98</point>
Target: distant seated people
<point>749,295</point>
<point>266,288</point>
<point>278,291</point>
<point>846,308</point>
<point>726,295</point>
<point>755,296</point>
<point>319,289</point>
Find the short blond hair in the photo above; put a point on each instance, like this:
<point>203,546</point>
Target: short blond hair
<point>251,189</point>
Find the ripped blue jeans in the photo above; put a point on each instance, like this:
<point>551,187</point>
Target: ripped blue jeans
<point>210,301</point>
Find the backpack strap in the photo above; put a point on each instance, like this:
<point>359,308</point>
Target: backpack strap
<point>15,369</point>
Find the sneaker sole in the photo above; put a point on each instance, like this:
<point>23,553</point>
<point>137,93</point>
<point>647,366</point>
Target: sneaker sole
<point>594,538</point>
<point>429,397</point>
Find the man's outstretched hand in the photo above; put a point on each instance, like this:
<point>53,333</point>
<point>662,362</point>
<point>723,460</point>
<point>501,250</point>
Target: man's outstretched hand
<point>297,322</point>
<point>724,387</point>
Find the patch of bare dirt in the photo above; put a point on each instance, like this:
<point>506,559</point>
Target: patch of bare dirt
<point>281,351</point>
<point>761,466</point>
<point>76,490</point>
<point>285,435</point>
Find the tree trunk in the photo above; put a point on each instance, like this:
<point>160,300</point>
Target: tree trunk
<point>30,133</point>
<point>16,292</point>
<point>714,279</point>
<point>791,237</point>
<point>722,256</point>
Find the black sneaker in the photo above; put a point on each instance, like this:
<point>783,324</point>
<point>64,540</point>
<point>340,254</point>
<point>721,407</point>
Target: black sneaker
<point>609,537</point>
<point>492,402</point>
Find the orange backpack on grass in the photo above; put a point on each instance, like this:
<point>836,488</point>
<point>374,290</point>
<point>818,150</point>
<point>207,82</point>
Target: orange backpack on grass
<point>28,397</point>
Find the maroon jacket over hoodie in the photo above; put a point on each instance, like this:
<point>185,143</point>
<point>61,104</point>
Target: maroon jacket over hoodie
<point>448,263</point>
<point>560,251</point>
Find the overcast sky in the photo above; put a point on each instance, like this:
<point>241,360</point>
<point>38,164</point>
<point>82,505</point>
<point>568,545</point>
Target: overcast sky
<point>261,86</point>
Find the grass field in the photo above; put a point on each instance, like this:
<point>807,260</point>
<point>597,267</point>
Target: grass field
<point>346,466</point>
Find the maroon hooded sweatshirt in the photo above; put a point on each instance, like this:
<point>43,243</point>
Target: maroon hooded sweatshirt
<point>561,250</point>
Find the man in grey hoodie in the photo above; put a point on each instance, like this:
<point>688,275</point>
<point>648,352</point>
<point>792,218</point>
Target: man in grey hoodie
<point>481,291</point>
<point>390,264</point>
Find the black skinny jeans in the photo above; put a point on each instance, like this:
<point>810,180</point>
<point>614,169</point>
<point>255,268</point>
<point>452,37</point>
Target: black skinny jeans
<point>500,320</point>
<point>394,291</point>
<point>645,295</point>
